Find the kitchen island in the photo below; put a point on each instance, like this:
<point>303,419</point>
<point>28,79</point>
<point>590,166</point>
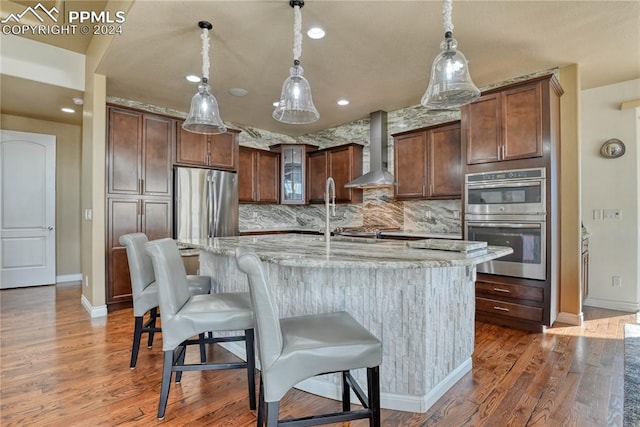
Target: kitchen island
<point>420,303</point>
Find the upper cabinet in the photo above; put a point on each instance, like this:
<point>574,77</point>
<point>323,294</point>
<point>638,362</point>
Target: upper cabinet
<point>293,172</point>
<point>343,163</point>
<point>427,163</point>
<point>258,176</point>
<point>139,153</point>
<point>508,123</point>
<point>210,151</point>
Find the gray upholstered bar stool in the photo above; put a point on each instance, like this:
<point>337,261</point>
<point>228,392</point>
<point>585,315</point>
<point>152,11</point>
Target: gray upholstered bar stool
<point>297,348</point>
<point>145,292</point>
<point>184,316</point>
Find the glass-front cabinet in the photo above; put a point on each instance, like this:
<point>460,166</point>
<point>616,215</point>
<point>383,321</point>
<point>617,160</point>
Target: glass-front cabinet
<point>293,160</point>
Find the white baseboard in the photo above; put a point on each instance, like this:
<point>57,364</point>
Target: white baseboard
<point>570,318</point>
<point>99,311</point>
<point>612,305</point>
<point>69,278</point>
<point>395,401</point>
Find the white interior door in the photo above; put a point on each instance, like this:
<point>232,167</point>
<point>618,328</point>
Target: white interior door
<point>27,210</point>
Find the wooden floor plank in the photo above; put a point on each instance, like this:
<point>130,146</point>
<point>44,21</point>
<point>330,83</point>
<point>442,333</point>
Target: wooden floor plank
<point>59,367</point>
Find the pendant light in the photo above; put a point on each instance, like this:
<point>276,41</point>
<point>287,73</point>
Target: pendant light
<point>450,85</point>
<point>296,105</point>
<point>204,116</point>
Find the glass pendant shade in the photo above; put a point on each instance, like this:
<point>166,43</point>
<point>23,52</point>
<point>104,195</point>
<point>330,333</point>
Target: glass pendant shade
<point>450,85</point>
<point>204,116</point>
<point>296,104</point>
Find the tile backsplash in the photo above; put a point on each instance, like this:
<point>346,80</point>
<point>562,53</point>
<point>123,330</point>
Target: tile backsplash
<point>377,209</point>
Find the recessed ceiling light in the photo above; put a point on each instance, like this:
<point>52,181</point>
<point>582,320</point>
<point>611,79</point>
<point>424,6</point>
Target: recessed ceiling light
<point>276,103</point>
<point>193,78</point>
<point>238,91</point>
<point>68,110</point>
<point>316,33</point>
<point>343,102</point>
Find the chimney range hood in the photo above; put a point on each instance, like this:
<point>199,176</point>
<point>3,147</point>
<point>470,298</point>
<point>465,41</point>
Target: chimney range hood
<point>378,176</point>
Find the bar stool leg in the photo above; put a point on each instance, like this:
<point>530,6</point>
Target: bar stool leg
<point>373,386</point>
<point>346,392</point>
<point>152,326</point>
<point>251,367</point>
<point>166,383</point>
<point>272,413</point>
<point>137,335</point>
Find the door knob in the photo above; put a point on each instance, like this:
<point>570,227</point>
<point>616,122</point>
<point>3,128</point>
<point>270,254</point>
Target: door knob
<point>50,228</point>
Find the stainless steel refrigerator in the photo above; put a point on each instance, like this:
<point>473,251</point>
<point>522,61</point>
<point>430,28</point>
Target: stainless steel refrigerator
<point>206,203</point>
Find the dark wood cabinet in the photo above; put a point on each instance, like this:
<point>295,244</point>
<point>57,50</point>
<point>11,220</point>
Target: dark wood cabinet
<point>152,216</point>
<point>343,163</point>
<point>508,128</point>
<point>258,176</point>
<point>139,188</point>
<point>428,163</point>
<point>512,301</point>
<point>210,151</point>
<point>139,153</point>
<point>506,124</point>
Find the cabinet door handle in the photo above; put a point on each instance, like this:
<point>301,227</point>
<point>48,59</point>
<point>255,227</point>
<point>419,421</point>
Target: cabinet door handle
<point>506,291</point>
<point>500,308</point>
<point>423,189</point>
<point>139,186</point>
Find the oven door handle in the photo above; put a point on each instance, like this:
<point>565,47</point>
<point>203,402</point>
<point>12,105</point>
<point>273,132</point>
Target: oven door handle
<point>504,184</point>
<point>502,225</point>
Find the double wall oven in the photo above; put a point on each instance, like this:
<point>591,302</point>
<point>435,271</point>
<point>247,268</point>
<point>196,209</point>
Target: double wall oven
<point>508,208</point>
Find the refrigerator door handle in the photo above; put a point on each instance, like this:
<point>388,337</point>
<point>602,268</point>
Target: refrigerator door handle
<point>210,207</point>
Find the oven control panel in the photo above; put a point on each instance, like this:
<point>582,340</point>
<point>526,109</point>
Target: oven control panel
<point>507,175</point>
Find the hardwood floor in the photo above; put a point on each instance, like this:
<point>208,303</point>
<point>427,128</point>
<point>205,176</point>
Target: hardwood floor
<point>58,367</point>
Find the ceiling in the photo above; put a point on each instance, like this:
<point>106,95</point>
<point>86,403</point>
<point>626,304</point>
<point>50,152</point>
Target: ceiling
<point>377,54</point>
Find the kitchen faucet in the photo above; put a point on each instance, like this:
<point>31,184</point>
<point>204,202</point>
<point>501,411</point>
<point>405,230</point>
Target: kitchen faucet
<point>331,185</point>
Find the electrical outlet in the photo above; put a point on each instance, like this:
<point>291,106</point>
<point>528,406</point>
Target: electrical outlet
<point>597,214</point>
<point>612,214</point>
<point>616,282</point>
<point>88,214</point>
<point>427,214</point>
<point>255,215</point>
<point>456,214</point>
<point>86,280</point>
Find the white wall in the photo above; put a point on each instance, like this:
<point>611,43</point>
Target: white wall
<point>611,184</point>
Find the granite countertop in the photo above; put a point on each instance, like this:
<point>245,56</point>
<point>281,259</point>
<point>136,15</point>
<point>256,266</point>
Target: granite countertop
<point>422,235</point>
<point>399,233</point>
<point>288,229</point>
<point>299,250</point>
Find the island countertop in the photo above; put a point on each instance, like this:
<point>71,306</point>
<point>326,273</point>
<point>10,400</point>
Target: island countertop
<point>298,250</point>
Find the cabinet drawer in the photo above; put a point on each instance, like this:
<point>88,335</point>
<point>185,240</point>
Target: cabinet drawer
<point>506,290</point>
<point>507,309</point>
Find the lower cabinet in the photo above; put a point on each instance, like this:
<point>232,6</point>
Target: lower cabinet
<point>152,216</point>
<point>509,301</point>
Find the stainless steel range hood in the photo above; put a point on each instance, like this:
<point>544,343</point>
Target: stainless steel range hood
<point>378,176</point>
